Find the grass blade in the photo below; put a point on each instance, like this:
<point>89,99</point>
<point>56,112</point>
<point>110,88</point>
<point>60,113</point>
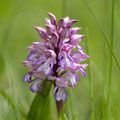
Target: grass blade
<point>9,100</point>
<point>103,33</point>
<point>110,64</point>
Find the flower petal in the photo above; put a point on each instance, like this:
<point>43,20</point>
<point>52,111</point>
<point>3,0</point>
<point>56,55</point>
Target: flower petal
<point>27,63</point>
<point>46,67</point>
<point>78,57</point>
<point>61,95</point>
<point>54,38</point>
<point>66,47</point>
<point>31,48</point>
<point>79,49</point>
<point>65,33</point>
<point>74,30</point>
<point>83,72</point>
<point>66,20</point>
<point>70,77</point>
<point>39,75</point>
<point>50,54</point>
<point>60,22</point>
<point>35,87</point>
<point>55,89</point>
<point>42,32</point>
<point>31,56</point>
<point>77,77</point>
<point>75,39</point>
<point>60,81</point>
<point>40,47</point>
<point>41,60</point>
<point>27,77</point>
<point>70,23</point>
<point>80,67</point>
<point>50,29</point>
<point>65,62</point>
<point>48,22</point>
<point>52,18</point>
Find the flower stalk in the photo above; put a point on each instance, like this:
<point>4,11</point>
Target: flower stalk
<point>59,106</point>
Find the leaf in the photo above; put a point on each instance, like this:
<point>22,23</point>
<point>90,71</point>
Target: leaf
<point>63,117</point>
<point>40,108</point>
<point>68,112</point>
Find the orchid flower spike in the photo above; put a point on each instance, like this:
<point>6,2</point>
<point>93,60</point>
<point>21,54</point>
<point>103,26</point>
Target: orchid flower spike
<point>55,58</point>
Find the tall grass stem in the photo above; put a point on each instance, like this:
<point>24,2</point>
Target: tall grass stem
<point>103,33</point>
<point>110,63</point>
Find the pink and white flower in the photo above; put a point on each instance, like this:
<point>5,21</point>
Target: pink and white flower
<point>54,57</point>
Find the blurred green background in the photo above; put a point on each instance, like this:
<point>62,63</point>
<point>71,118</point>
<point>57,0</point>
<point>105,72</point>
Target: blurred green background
<point>89,97</point>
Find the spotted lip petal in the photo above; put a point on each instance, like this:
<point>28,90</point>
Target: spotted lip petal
<point>65,61</point>
<point>70,77</point>
<point>46,67</point>
<point>35,87</point>
<point>54,58</point>
<point>61,94</point>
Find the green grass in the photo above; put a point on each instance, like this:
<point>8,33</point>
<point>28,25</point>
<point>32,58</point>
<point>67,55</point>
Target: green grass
<point>95,97</point>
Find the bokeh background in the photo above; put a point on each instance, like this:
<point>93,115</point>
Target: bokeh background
<point>90,96</point>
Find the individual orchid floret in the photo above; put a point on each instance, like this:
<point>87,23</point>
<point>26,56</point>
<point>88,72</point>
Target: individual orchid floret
<point>52,18</point>
<point>55,58</point>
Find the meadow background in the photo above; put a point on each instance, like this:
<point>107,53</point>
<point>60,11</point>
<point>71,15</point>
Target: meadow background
<point>95,97</point>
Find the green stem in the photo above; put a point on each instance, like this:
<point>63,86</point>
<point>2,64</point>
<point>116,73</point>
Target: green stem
<point>110,64</point>
<point>103,84</point>
<point>59,107</point>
